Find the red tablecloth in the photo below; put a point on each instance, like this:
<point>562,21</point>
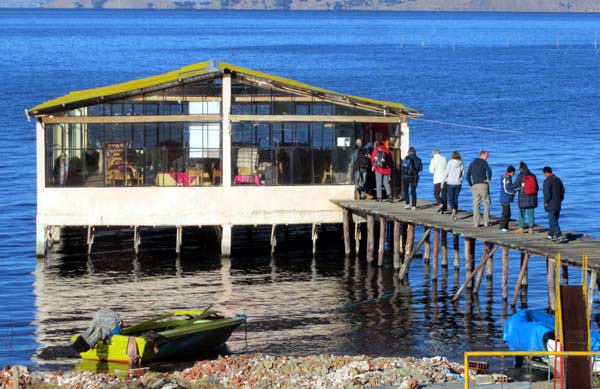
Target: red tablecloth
<point>237,180</point>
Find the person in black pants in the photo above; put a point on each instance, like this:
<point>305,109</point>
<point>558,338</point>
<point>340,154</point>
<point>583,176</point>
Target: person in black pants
<point>411,166</point>
<point>554,194</point>
<point>507,195</point>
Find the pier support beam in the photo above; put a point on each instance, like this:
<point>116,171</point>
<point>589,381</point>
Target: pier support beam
<point>397,243</point>
<point>487,256</point>
<point>444,249</point>
<point>347,246</point>
<point>90,239</point>
<point>40,240</point>
<point>179,239</point>
<point>469,259</point>
<point>370,238</point>
<point>357,238</point>
<point>520,279</point>
<point>381,249</point>
<point>225,240</point>
<point>315,234</point>
<point>525,278</point>
<point>505,253</point>
<point>456,251</point>
<point>435,254</point>
<point>137,239</point>
<point>411,254</point>
<point>273,238</point>
<point>426,249</point>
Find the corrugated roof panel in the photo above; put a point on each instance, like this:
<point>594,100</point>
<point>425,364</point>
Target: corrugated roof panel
<point>190,71</point>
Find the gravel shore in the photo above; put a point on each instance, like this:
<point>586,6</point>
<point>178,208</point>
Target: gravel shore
<point>264,371</point>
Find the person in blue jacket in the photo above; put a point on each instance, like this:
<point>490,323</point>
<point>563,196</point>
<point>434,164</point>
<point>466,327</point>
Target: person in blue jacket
<point>554,194</point>
<point>507,195</point>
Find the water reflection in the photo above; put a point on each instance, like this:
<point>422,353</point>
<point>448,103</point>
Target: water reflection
<point>298,304</point>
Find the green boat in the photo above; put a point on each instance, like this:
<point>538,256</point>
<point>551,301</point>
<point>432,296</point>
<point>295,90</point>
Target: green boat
<point>178,334</point>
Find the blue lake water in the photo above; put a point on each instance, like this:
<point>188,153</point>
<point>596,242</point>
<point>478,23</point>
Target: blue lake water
<point>524,86</point>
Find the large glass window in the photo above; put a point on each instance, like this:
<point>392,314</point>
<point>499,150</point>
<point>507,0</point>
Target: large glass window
<point>291,153</point>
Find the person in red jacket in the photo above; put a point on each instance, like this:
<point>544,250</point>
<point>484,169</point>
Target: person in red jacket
<point>381,162</point>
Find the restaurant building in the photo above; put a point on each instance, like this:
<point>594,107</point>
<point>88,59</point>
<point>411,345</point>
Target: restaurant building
<point>210,144</point>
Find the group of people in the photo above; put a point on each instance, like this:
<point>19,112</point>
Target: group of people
<point>447,184</point>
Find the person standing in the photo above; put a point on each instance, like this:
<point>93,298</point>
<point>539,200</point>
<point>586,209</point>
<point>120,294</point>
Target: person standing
<point>479,176</point>
<point>437,167</point>
<point>381,160</point>
<point>452,181</point>
<point>527,185</point>
<point>411,166</point>
<point>361,163</point>
<point>507,195</point>
<point>554,194</point>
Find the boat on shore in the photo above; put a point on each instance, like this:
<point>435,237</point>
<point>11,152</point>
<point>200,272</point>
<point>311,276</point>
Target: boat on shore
<point>175,335</point>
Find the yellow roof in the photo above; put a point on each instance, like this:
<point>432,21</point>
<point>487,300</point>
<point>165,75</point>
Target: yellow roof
<point>190,73</point>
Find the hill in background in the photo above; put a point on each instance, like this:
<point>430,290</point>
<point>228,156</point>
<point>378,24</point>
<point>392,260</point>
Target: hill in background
<point>394,5</point>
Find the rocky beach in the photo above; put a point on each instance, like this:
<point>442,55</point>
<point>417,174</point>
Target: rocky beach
<point>261,371</point>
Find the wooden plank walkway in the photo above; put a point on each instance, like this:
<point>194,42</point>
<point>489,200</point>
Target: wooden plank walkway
<point>535,244</point>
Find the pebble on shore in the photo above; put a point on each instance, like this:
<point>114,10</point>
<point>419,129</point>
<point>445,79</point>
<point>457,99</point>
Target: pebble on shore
<point>264,371</point>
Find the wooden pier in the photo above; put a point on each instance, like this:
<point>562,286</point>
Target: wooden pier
<point>436,228</point>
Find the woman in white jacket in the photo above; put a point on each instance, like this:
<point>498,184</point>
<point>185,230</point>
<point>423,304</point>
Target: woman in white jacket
<point>453,176</point>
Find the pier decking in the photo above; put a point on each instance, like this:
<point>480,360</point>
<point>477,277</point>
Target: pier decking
<point>439,225</point>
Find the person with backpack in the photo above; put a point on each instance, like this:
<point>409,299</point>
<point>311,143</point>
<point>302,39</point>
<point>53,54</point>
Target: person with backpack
<point>437,167</point>
<point>527,186</point>
<point>479,176</point>
<point>381,160</point>
<point>410,168</point>
<point>453,175</point>
<point>507,195</point>
<point>361,164</point>
<point>554,194</point>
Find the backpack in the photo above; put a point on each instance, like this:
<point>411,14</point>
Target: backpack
<point>381,159</point>
<point>530,186</point>
<point>407,167</point>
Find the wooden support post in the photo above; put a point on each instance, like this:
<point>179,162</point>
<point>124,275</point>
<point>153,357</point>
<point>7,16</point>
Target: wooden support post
<point>456,251</point>
<point>426,249</point>
<point>411,254</point>
<point>381,251</point>
<point>397,244</point>
<point>490,266</point>
<point>273,238</point>
<point>41,239</point>
<point>357,238</point>
<point>592,287</point>
<point>90,239</point>
<point>444,249</point>
<point>179,238</point>
<point>136,240</point>
<point>315,235</point>
<point>469,258</point>
<point>370,237</point>
<point>505,252</point>
<point>525,278</point>
<point>520,279</point>
<point>551,276</point>
<point>347,218</point>
<point>435,254</point>
<point>489,255</point>
<point>479,268</point>
<point>410,240</point>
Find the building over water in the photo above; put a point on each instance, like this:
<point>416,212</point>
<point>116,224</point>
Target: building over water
<point>210,144</point>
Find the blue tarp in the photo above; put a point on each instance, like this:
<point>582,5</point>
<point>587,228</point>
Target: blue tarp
<point>527,330</point>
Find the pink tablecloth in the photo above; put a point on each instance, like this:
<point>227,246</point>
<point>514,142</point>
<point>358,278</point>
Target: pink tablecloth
<point>237,180</point>
<point>182,179</point>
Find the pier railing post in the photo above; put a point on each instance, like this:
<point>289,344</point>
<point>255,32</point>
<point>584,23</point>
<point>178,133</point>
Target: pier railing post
<point>347,246</point>
<point>370,237</point>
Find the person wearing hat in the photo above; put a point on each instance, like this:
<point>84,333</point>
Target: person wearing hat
<point>554,194</point>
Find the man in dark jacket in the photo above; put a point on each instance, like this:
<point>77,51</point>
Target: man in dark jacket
<point>411,166</point>
<point>361,164</point>
<point>479,176</point>
<point>554,194</point>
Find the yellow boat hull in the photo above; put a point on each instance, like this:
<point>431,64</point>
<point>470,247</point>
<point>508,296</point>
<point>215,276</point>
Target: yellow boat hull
<point>115,351</point>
